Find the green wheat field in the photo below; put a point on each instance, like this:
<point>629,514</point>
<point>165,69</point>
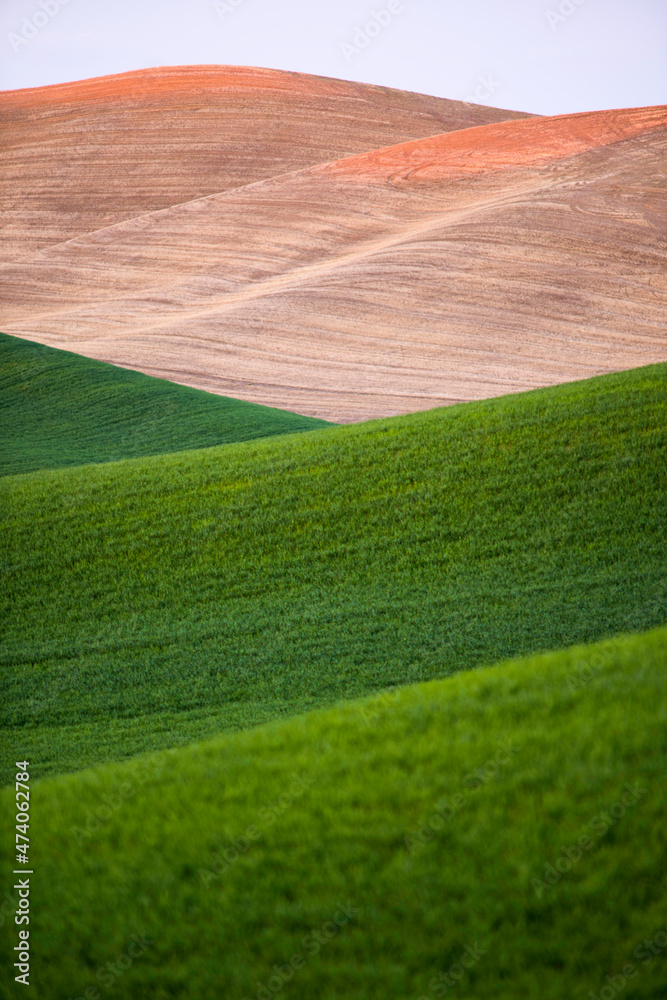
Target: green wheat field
<point>334,712</point>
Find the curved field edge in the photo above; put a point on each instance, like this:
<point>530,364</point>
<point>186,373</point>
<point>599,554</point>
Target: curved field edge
<point>514,814</point>
<point>156,601</point>
<point>60,409</point>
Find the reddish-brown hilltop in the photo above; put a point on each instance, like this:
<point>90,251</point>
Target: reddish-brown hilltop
<point>532,142</point>
<point>78,156</point>
<point>493,260</point>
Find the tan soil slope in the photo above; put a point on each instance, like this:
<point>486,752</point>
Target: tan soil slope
<point>458,267</point>
<point>78,156</point>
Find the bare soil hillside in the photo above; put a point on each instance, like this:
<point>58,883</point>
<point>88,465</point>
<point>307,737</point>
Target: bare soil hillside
<point>78,156</point>
<point>489,260</point>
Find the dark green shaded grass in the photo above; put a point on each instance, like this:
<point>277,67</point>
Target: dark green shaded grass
<point>60,409</point>
<point>338,806</point>
<point>223,587</point>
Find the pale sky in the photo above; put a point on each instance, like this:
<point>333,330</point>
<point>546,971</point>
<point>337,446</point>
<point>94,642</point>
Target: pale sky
<point>544,56</point>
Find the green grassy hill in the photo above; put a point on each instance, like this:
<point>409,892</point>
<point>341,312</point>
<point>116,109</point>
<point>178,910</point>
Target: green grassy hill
<point>60,409</point>
<point>495,835</point>
<point>156,601</point>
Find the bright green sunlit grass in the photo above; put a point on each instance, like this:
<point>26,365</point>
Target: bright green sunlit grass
<point>503,828</point>
<point>155,601</point>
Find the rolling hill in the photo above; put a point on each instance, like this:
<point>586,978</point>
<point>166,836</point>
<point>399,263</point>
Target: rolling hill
<point>499,834</point>
<point>78,156</point>
<point>488,260</point>
<point>58,409</point>
<point>154,601</point>
<point>250,666</point>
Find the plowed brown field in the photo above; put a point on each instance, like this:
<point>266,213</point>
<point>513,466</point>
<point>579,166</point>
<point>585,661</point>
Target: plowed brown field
<point>78,156</point>
<point>488,260</point>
